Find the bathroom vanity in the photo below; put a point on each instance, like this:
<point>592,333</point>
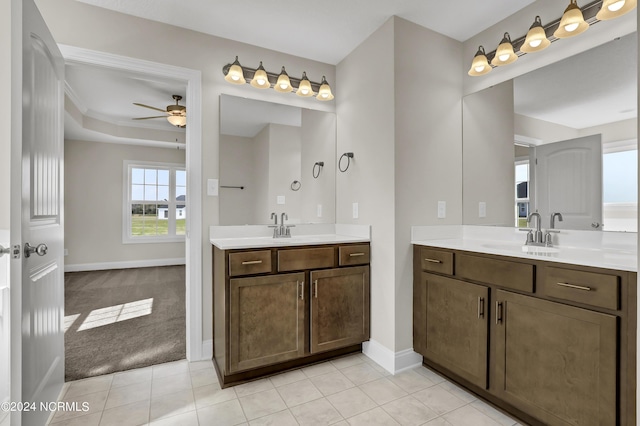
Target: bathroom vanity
<point>280,303</point>
<point>549,336</point>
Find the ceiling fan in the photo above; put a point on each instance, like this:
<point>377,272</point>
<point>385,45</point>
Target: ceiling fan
<point>175,114</point>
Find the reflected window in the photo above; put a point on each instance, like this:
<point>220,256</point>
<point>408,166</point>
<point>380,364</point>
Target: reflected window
<point>620,190</point>
<point>522,193</point>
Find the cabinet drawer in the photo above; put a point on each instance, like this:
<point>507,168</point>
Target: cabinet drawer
<point>514,275</point>
<point>436,261</point>
<point>353,255</point>
<point>249,263</point>
<point>311,258</point>
<point>590,288</point>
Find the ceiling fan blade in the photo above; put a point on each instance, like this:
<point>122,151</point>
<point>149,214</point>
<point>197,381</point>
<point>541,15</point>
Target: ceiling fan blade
<point>147,118</point>
<point>150,107</point>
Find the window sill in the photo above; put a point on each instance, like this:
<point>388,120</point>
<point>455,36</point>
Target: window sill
<point>154,240</point>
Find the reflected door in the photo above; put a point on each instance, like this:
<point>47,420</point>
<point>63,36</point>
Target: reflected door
<point>568,180</point>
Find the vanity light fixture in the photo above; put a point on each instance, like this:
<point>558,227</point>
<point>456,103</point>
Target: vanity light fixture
<point>283,85</point>
<point>304,88</point>
<point>480,64</point>
<point>536,39</point>
<point>235,75</point>
<point>504,54</point>
<point>572,22</point>
<point>613,8</point>
<point>262,79</point>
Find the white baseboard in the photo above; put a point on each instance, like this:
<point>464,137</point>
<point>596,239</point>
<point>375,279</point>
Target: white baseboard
<point>393,362</point>
<point>207,349</point>
<point>80,267</point>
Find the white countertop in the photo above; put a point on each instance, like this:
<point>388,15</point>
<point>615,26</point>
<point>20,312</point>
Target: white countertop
<point>610,250</point>
<point>260,236</point>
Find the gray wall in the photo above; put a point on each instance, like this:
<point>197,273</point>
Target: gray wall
<point>237,205</point>
<point>407,140</point>
<point>93,178</point>
<point>488,167</point>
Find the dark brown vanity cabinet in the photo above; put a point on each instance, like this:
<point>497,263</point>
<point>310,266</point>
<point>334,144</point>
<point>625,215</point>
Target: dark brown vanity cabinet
<point>554,344</point>
<point>280,308</point>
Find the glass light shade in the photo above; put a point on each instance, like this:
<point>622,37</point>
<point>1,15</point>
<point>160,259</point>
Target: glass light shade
<point>504,54</point>
<point>304,89</point>
<point>283,85</point>
<point>260,79</point>
<point>324,93</point>
<point>480,64</point>
<point>536,39</point>
<point>235,75</point>
<point>572,22</point>
<point>613,8</point>
<point>177,120</point>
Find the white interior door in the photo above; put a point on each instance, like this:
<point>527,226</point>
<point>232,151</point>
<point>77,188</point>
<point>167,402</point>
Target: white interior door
<point>568,180</point>
<point>5,332</point>
<point>41,216</point>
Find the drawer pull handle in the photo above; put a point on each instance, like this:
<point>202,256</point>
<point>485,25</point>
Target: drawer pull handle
<point>578,287</point>
<point>498,312</point>
<point>433,260</point>
<point>480,307</point>
<point>356,254</point>
<point>251,262</point>
<point>315,286</point>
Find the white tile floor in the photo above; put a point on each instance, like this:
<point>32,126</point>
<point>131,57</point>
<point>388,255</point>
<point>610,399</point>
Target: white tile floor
<point>352,390</point>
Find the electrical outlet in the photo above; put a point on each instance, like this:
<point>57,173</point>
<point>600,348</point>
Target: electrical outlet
<point>482,209</point>
<point>442,209</point>
<point>355,210</point>
<point>319,212</point>
<point>280,199</point>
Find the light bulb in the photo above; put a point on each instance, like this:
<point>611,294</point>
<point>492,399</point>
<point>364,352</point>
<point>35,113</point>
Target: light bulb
<point>235,77</point>
<point>571,27</point>
<point>535,43</point>
<point>479,69</point>
<point>503,57</point>
<point>283,85</point>
<point>304,91</point>
<point>614,7</point>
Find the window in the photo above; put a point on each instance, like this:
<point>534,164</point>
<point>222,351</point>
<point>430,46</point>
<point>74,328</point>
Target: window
<point>154,202</point>
<point>620,190</point>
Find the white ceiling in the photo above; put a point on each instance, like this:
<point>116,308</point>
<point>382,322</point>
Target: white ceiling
<point>324,31</point>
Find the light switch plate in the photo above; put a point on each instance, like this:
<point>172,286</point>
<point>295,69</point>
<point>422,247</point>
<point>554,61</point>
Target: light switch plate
<point>355,210</point>
<point>319,213</point>
<point>482,209</point>
<point>280,199</point>
<point>442,209</point>
<point>212,187</point>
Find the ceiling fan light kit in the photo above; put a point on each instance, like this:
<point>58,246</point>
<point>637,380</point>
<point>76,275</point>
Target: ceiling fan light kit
<point>175,114</point>
<point>281,82</point>
<point>574,21</point>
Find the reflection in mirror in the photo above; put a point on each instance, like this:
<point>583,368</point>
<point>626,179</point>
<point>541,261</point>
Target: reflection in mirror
<point>268,156</point>
<point>574,124</point>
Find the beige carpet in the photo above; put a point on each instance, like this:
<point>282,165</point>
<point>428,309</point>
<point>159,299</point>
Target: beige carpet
<point>122,319</point>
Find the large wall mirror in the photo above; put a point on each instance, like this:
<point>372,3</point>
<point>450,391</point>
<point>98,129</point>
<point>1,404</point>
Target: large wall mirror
<point>560,139</point>
<point>275,159</point>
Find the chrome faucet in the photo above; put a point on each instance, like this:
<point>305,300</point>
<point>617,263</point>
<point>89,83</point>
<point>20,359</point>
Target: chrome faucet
<point>553,219</point>
<point>537,237</point>
<point>276,231</point>
<point>281,231</point>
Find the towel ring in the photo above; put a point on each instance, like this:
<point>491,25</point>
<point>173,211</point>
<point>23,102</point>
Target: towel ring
<point>349,156</point>
<point>295,185</point>
<point>319,165</point>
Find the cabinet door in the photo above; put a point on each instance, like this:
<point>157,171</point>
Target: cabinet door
<point>555,362</point>
<point>339,308</point>
<point>266,320</point>
<point>456,326</point>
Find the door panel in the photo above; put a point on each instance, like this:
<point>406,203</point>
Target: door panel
<point>267,320</point>
<point>456,326</point>
<point>556,362</point>
<point>339,308</point>
<point>42,218</point>
<point>568,180</point>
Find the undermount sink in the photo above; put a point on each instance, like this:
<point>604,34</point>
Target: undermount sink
<point>521,248</point>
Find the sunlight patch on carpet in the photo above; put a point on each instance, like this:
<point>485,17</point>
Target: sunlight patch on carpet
<point>69,320</point>
<point>116,313</point>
